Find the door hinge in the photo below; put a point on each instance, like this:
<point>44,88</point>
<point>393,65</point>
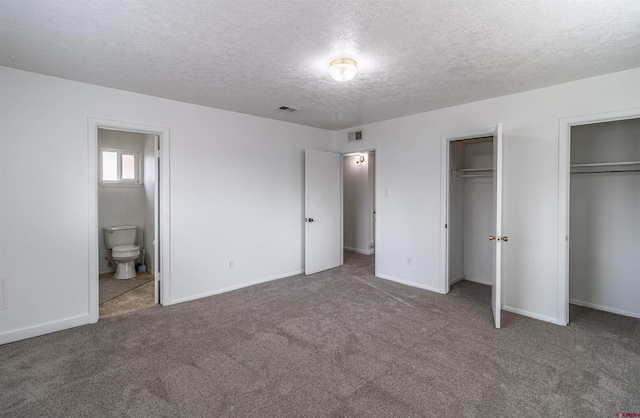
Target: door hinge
<point>446,226</point>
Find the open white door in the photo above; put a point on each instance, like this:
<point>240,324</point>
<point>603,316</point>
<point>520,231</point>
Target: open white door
<point>323,203</point>
<point>156,223</point>
<point>498,238</point>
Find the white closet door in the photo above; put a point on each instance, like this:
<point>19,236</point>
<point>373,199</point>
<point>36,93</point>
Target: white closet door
<point>498,238</point>
<point>323,205</point>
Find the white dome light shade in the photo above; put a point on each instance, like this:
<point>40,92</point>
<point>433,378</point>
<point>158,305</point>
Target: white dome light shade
<point>343,69</point>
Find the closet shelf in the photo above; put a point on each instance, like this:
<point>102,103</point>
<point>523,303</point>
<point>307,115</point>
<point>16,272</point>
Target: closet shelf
<point>474,175</point>
<point>620,167</point>
<point>606,164</point>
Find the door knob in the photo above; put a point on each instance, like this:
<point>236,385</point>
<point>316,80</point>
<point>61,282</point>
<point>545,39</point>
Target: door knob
<point>505,238</point>
<point>308,219</point>
<point>492,238</point>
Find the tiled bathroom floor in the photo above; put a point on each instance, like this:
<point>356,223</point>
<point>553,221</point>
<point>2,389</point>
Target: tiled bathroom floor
<point>142,297</point>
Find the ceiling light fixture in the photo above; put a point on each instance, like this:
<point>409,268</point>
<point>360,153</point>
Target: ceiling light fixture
<point>343,69</point>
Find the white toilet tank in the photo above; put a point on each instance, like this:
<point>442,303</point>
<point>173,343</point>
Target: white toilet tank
<point>119,235</point>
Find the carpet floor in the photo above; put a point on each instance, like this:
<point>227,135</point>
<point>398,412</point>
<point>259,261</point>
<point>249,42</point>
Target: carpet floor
<point>338,343</point>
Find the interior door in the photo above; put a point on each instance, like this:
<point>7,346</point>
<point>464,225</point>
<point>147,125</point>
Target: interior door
<point>498,238</point>
<point>323,214</point>
<point>156,223</point>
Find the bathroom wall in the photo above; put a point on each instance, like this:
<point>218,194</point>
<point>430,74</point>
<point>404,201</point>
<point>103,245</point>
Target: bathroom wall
<point>120,205</point>
<point>149,170</point>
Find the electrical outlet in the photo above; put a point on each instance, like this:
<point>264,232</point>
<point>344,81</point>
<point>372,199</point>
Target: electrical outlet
<point>409,261</point>
<point>230,264</point>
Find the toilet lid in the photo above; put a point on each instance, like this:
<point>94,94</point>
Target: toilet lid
<point>128,247</point>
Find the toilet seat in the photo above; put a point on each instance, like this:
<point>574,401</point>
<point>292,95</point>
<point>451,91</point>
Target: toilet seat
<point>123,251</point>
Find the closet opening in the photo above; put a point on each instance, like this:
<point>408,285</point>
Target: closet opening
<point>603,217</point>
<point>470,210</point>
<point>472,237</point>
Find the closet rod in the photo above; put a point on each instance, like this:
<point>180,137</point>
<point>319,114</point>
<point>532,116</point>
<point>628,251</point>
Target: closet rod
<point>607,171</point>
<point>466,170</point>
<point>475,175</point>
<point>605,164</point>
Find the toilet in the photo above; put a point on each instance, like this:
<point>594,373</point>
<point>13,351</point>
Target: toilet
<point>120,240</point>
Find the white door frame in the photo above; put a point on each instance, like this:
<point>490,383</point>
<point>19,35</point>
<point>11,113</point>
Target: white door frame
<point>445,142</point>
<point>361,149</point>
<point>162,222</point>
<point>564,195</point>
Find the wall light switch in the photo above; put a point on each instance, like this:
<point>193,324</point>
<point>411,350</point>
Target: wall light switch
<point>386,192</point>
<point>230,264</point>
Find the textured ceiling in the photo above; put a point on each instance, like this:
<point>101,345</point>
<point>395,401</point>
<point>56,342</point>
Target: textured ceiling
<point>252,56</point>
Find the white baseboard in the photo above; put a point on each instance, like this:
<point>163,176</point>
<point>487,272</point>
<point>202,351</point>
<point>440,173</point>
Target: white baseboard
<point>480,280</point>
<point>235,287</point>
<point>408,283</point>
<point>368,251</point>
<point>530,314</point>
<point>604,308</point>
<point>456,280</point>
<point>35,331</point>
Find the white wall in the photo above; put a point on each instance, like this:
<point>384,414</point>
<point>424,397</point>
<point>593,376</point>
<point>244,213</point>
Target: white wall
<point>604,266</point>
<point>150,161</point>
<point>408,156</point>
<point>236,193</point>
<point>121,205</point>
<point>358,208</point>
<point>456,213</point>
<point>478,215</point>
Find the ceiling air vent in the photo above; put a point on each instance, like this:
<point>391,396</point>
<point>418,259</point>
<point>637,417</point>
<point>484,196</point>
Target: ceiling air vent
<point>288,109</point>
<point>354,136</point>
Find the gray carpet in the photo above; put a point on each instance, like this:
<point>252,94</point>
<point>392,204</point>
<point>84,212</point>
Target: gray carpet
<point>111,288</point>
<point>338,343</point>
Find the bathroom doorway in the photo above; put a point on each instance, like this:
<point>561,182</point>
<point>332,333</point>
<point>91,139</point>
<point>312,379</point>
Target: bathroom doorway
<point>126,198</point>
<point>128,189</point>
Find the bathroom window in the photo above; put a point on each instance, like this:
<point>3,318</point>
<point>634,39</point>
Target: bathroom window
<point>119,167</point>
